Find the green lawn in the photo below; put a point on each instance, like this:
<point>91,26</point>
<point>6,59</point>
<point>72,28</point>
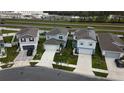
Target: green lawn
<point>11,54</point>
<point>40,49</point>
<point>98,61</point>
<point>66,55</point>
<point>8,31</point>
<point>63,67</point>
<point>100,74</point>
<point>8,39</point>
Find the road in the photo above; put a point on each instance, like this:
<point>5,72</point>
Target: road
<point>50,27</point>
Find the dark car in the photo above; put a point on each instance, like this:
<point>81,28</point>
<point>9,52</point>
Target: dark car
<point>30,52</point>
<point>119,63</point>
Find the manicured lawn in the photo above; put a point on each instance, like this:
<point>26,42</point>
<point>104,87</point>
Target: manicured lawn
<point>120,33</point>
<point>100,74</point>
<point>98,61</point>
<point>11,54</point>
<point>63,67</point>
<point>40,49</point>
<point>8,31</point>
<point>66,55</point>
<point>8,39</point>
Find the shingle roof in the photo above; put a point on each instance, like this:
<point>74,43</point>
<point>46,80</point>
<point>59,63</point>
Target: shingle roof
<point>106,42</point>
<point>54,41</point>
<point>58,30</point>
<point>26,32</point>
<point>85,34</point>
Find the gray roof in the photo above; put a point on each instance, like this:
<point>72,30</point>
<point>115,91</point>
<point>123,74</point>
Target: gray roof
<point>58,30</point>
<point>107,41</point>
<point>85,34</point>
<point>27,32</point>
<point>54,42</point>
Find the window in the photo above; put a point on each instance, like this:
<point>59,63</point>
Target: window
<point>31,39</point>
<point>60,37</point>
<point>90,44</point>
<point>81,43</point>
<point>23,39</point>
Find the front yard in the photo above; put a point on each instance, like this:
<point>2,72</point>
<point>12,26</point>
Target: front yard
<point>40,49</point>
<point>66,55</point>
<point>98,61</point>
<point>11,54</point>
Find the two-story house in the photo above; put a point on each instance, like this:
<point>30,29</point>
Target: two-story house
<point>85,41</point>
<point>2,48</point>
<point>28,38</point>
<point>56,39</point>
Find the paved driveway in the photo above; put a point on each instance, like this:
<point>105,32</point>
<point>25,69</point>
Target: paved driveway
<point>114,72</point>
<point>47,58</point>
<point>22,59</point>
<point>84,65</point>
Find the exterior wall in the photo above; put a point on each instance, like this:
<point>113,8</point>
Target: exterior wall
<point>86,44</point>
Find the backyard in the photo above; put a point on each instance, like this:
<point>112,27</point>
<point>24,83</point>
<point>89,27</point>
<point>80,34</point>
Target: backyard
<point>40,49</point>
<point>66,55</point>
<point>98,61</point>
<point>8,31</point>
<point>8,39</point>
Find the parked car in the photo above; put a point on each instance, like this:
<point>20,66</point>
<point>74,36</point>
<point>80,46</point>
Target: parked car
<point>119,63</point>
<point>30,52</point>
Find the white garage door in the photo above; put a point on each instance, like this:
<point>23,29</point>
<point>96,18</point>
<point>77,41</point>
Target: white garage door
<point>112,54</point>
<point>86,51</point>
<point>51,47</point>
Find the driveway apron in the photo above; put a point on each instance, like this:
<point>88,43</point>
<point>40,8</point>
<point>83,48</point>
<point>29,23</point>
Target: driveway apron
<point>115,73</point>
<point>47,58</point>
<point>84,65</point>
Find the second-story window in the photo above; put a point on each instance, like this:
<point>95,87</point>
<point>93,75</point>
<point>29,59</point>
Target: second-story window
<point>90,44</point>
<point>81,43</point>
<point>60,37</point>
<point>23,39</point>
<point>31,39</point>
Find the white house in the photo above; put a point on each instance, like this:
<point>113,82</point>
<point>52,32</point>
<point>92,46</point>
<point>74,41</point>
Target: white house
<point>111,45</point>
<point>28,38</point>
<point>85,41</point>
<point>56,39</point>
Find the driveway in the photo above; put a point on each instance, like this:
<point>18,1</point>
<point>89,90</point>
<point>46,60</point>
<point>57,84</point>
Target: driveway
<point>114,72</point>
<point>47,58</point>
<point>22,59</point>
<point>84,65</point>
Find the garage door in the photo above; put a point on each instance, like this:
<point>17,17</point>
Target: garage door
<point>85,51</point>
<point>112,54</point>
<point>51,47</point>
<point>28,47</point>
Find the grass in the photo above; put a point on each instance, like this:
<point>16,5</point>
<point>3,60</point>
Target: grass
<point>8,31</point>
<point>98,61</point>
<point>63,67</point>
<point>11,54</point>
<point>100,74</point>
<point>66,55</point>
<point>33,64</point>
<point>40,50</point>
<point>8,39</point>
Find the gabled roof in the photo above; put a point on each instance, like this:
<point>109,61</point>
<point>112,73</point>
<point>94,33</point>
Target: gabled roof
<point>106,42</point>
<point>58,30</point>
<point>54,42</point>
<point>85,34</point>
<point>27,32</point>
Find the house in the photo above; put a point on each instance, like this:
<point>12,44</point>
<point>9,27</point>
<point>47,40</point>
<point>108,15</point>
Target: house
<point>28,38</point>
<point>111,45</point>
<point>85,41</point>
<point>2,48</point>
<point>56,39</point>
